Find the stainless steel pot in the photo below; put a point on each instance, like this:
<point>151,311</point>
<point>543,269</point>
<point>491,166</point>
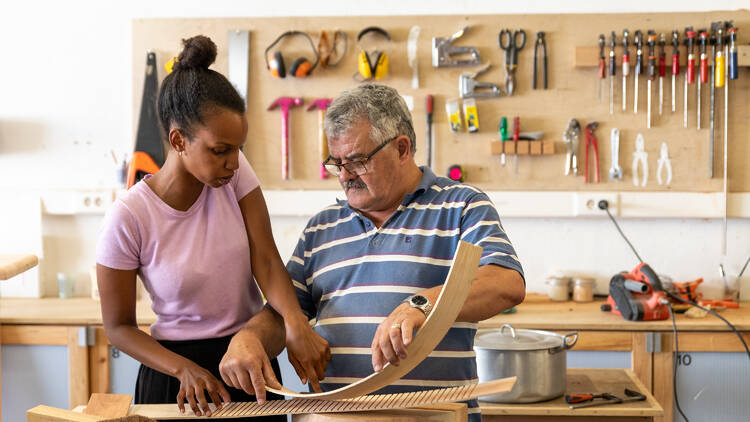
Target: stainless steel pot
<point>536,357</point>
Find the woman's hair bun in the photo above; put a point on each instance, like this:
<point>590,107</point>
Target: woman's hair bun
<point>198,52</point>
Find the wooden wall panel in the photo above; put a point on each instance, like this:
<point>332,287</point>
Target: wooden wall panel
<point>572,93</point>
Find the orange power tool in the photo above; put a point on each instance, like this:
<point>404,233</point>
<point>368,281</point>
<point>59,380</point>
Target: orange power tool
<point>637,295</point>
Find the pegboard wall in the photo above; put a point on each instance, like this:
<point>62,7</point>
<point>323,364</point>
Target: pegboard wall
<point>572,93</point>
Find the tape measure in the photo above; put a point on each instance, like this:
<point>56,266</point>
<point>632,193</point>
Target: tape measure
<point>455,172</point>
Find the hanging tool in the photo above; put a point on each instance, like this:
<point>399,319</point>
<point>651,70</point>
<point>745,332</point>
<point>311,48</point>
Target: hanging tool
<point>664,163</point>
<point>704,39</point>
<point>411,50</point>
<point>468,87</point>
<point>456,173</point>
<point>717,58</point>
<point>730,73</point>
<point>625,68</point>
<point>602,65</point>
<point>640,156</point>
<point>453,110</point>
<point>471,115</point>
<point>675,66</point>
<point>285,103</point>
<point>690,68</point>
<point>512,43</point>
<point>615,172</point>
<point>662,70</point>
<point>443,51</point>
<point>638,40</point>
<point>581,398</point>
<point>651,74</point>
<point>503,137</point>
<point>571,137</point>
<point>321,104</point>
<point>429,102</point>
<point>239,60</point>
<point>612,73</point>
<point>732,51</point>
<point>516,132</point>
<point>540,44</point>
<point>148,156</point>
<point>591,141</point>
<point>631,396</point>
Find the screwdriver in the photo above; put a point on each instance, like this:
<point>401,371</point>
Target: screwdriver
<point>638,41</point>
<point>503,137</point>
<point>612,74</point>
<point>719,58</point>
<point>651,73</point>
<point>662,70</point>
<point>625,68</point>
<point>580,398</point>
<point>732,52</point>
<point>713,40</point>
<point>703,70</point>
<point>675,67</point>
<point>516,132</point>
<point>690,69</point>
<point>602,65</point>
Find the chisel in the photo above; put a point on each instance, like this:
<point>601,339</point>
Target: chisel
<point>662,70</point>
<point>612,44</point>
<point>625,68</point>
<point>675,67</point>
<point>690,68</point>
<point>638,41</point>
<point>602,65</point>
<point>651,74</point>
<point>712,98</point>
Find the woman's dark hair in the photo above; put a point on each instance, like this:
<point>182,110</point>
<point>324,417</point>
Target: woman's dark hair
<point>192,89</point>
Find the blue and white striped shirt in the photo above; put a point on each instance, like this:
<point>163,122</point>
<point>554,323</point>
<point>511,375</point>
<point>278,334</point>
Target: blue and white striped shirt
<point>349,276</point>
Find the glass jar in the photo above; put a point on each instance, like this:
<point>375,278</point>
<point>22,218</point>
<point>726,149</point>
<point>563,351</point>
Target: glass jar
<point>558,288</point>
<point>583,289</point>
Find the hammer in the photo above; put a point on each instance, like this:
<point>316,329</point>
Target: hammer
<point>321,104</point>
<point>285,103</point>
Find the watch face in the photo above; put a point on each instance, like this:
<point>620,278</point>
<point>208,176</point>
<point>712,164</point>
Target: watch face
<point>419,300</point>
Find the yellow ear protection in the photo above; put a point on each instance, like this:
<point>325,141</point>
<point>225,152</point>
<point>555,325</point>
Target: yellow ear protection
<point>300,67</point>
<point>374,64</point>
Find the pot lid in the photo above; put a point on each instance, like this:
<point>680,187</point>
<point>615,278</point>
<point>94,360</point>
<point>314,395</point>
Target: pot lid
<point>509,338</point>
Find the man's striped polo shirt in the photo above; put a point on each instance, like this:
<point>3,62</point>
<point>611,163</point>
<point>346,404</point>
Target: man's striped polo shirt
<point>350,275</point>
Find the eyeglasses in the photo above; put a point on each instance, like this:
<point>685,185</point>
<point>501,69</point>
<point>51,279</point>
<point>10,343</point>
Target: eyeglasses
<point>356,167</point>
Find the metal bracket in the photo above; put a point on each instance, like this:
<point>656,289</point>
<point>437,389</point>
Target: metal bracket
<point>86,336</point>
<point>653,342</point>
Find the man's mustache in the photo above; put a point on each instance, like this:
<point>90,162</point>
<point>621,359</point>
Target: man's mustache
<point>356,184</point>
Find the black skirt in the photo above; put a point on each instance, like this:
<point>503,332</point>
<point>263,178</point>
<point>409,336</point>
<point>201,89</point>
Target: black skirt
<point>154,387</point>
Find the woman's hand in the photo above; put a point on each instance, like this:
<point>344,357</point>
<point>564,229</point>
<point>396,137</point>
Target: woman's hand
<point>194,381</point>
<point>308,352</point>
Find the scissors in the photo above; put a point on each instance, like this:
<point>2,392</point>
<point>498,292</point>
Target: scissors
<point>510,43</point>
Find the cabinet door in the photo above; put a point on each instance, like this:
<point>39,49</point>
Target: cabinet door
<point>595,359</point>
<point>123,372</point>
<point>33,375</point>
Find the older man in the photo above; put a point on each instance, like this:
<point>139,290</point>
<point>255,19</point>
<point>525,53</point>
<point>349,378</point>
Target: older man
<point>367,270</point>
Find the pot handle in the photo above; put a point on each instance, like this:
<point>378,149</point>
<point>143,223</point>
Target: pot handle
<point>508,326</point>
<point>568,341</point>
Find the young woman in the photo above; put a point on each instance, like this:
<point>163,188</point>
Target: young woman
<point>197,233</point>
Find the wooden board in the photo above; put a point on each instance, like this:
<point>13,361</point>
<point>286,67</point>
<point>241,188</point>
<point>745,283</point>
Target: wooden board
<point>108,405</point>
<point>572,93</point>
<point>451,412</point>
<point>12,265</point>
<point>446,309</point>
<point>306,406</point>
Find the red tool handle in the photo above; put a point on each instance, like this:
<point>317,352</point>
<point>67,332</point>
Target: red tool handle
<point>428,103</point>
<point>690,69</point>
<point>662,66</point>
<point>516,128</point>
<point>625,64</point>
<point>602,68</point>
<point>578,398</point>
<point>704,69</point>
<point>676,63</point>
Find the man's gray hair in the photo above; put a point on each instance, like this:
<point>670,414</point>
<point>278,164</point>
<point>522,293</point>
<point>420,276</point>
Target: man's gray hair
<point>380,105</point>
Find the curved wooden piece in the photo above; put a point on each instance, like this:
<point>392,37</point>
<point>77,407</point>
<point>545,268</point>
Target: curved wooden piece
<point>446,309</point>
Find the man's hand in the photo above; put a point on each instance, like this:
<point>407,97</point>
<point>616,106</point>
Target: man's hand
<point>246,366</point>
<point>394,334</point>
<point>308,352</point>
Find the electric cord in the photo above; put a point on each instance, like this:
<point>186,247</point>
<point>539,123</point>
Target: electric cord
<point>675,365</point>
<point>605,206</point>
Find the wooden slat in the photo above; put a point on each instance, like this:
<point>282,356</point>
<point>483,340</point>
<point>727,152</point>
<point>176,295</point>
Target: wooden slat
<point>453,412</point>
<point>447,306</point>
<point>99,362</point>
<point>641,361</point>
<point>109,405</point>
<point>712,342</point>
<point>53,414</point>
<point>618,341</point>
<point>35,335</point>
<point>12,265</point>
<point>663,367</point>
<point>78,370</point>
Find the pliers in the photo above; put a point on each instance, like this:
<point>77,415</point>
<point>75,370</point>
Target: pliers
<point>640,156</point>
<point>540,45</point>
<point>664,163</point>
<point>591,140</point>
<point>571,137</point>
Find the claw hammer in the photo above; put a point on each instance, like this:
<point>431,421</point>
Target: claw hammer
<point>285,103</point>
<point>321,104</point>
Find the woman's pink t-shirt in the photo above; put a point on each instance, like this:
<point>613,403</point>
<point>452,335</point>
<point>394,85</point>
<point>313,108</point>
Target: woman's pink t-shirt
<point>195,264</point>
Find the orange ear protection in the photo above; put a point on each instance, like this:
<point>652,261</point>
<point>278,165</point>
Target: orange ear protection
<point>374,64</point>
<point>300,67</point>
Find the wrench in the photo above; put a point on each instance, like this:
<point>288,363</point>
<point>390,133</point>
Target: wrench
<point>615,172</point>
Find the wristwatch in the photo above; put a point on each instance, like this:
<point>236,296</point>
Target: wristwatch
<point>420,302</point>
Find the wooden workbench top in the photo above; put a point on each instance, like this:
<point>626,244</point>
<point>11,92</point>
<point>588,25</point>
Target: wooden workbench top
<point>580,380</point>
<point>54,311</point>
<point>538,312</point>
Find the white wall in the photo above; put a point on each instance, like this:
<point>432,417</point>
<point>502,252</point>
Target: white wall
<point>65,102</point>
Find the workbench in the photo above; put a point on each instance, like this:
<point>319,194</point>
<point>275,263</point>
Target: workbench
<point>583,381</point>
<point>77,324</point>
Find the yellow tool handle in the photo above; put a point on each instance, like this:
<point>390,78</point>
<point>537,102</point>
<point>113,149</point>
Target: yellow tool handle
<point>720,68</point>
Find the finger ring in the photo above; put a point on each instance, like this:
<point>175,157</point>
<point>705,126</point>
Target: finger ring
<point>394,326</point>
